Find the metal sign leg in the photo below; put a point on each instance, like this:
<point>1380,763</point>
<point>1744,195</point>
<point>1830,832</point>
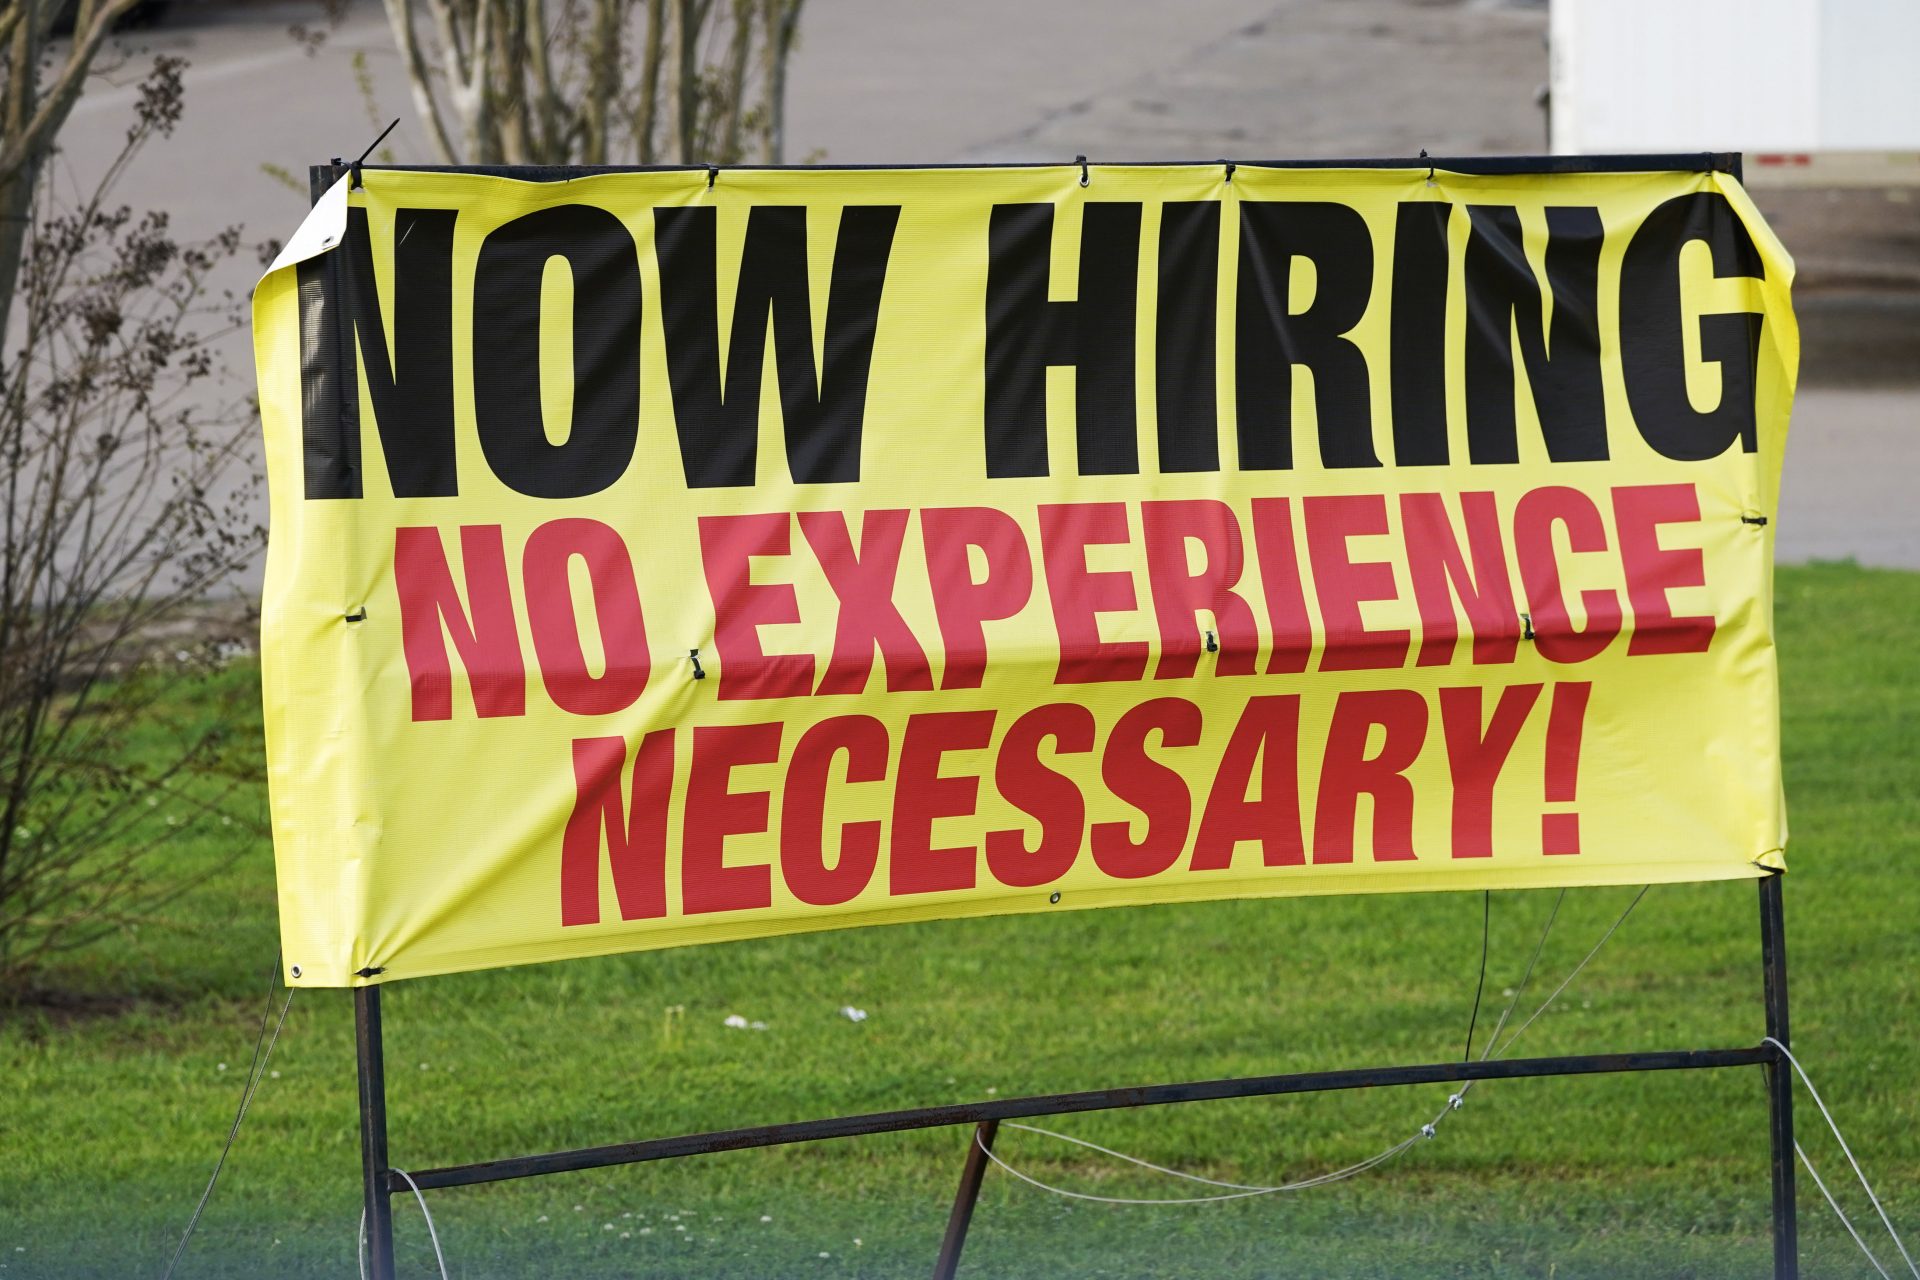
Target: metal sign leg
<point>963,1200</point>
<point>373,1132</point>
<point>1773,960</point>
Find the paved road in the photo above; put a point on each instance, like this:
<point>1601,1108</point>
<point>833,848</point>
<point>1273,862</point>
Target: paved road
<point>897,80</point>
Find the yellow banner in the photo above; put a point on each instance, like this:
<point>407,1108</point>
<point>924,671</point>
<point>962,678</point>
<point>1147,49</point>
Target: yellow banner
<point>674,557</point>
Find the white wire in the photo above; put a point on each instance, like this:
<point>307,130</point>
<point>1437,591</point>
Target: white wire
<point>1243,1191</point>
<point>361,1253</point>
<point>1568,980</point>
<point>1864,1184</point>
<point>1321,1180</point>
<point>1539,947</point>
<point>1144,1164</point>
<point>1194,1177</point>
<point>431,1233</point>
<point>1840,1213</point>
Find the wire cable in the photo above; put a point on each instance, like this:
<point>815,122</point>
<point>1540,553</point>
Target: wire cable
<point>1585,961</point>
<point>1848,1151</point>
<point>433,1235</point>
<point>1480,987</point>
<point>1243,1191</point>
<point>256,1072</point>
<point>1246,1192</point>
<point>1840,1213</point>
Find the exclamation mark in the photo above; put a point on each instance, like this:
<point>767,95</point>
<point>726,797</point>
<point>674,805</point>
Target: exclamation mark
<point>1560,832</point>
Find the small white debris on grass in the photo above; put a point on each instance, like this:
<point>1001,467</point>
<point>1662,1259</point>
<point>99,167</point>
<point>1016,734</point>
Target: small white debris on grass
<point>219,1066</point>
<point>825,1254</point>
<point>758,1026</point>
<point>541,1218</point>
<point>852,1014</point>
<point>735,1021</point>
<point>766,1217</point>
<point>646,1231</point>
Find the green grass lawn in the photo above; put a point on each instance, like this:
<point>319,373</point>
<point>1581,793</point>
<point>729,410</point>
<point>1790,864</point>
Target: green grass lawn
<point>110,1120</point>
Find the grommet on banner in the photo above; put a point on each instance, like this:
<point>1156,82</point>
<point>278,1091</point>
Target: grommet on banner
<point>713,175</point>
<point>1082,162</point>
<point>354,168</point>
<point>693,655</point>
<point>1231,166</point>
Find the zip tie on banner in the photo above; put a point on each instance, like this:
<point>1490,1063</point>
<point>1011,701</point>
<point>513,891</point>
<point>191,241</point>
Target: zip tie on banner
<point>354,169</point>
<point>1857,1172</point>
<point>1426,1132</point>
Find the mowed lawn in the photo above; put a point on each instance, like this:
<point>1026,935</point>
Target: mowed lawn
<point>112,1111</point>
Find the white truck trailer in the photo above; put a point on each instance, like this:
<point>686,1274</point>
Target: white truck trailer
<point>1815,92</point>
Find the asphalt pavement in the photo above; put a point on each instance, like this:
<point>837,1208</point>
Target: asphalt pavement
<point>880,81</point>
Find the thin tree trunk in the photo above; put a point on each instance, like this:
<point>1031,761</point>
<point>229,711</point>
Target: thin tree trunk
<point>17,184</point>
<point>400,19</point>
<point>653,55</point>
<point>783,21</point>
<point>603,76</point>
<point>685,85</point>
<point>733,107</point>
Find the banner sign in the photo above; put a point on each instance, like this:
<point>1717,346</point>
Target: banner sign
<point>672,556</point>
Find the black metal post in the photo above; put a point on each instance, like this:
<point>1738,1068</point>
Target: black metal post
<point>1773,961</point>
<point>373,1132</point>
<point>964,1199</point>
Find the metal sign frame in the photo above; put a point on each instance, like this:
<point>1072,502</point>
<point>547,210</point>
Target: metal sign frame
<point>381,1180</point>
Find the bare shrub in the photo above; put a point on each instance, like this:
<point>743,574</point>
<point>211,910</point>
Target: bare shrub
<point>598,81</point>
<point>126,480</point>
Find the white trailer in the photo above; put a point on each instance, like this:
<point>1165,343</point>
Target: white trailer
<point>1815,92</point>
